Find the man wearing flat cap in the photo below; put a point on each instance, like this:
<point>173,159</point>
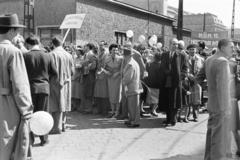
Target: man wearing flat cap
<point>131,87</point>
<point>195,63</point>
<point>15,96</point>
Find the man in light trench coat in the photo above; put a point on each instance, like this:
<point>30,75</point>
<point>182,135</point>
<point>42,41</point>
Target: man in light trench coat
<point>60,92</point>
<point>15,96</point>
<point>217,71</point>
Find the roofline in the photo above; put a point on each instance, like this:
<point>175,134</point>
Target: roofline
<point>141,10</point>
<point>184,29</point>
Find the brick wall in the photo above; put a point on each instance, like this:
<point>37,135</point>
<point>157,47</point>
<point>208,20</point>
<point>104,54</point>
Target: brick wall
<point>103,19</point>
<point>52,12</point>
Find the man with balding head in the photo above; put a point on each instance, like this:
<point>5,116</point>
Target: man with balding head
<point>173,70</point>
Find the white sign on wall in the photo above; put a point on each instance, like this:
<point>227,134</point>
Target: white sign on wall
<point>72,21</point>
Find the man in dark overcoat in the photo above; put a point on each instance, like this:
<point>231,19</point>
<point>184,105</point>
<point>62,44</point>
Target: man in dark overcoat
<point>173,70</point>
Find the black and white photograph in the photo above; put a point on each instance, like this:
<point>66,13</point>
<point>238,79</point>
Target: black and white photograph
<point>119,79</point>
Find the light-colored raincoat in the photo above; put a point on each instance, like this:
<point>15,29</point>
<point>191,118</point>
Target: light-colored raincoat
<point>15,102</point>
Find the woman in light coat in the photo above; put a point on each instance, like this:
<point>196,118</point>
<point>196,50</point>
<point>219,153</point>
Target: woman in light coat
<point>113,67</point>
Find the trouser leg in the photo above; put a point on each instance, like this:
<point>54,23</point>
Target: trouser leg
<point>186,110</point>
<point>168,115</point>
<point>57,116</point>
<point>154,108</point>
<point>134,110</point>
<point>88,105</point>
<point>208,144</point>
<point>195,111</point>
<point>64,120</point>
<point>40,102</point>
<point>117,110</point>
<point>173,115</point>
<point>218,137</point>
<point>124,107</point>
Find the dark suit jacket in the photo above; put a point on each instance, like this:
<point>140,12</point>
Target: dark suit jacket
<point>175,67</point>
<point>40,68</point>
<point>172,72</point>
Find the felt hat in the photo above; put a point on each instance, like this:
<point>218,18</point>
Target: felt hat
<point>10,21</point>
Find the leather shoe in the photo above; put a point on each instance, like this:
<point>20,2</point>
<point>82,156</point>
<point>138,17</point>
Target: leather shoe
<point>43,143</point>
<point>56,132</point>
<point>127,122</point>
<point>195,120</point>
<point>133,125</point>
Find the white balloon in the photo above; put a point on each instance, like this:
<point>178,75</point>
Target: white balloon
<point>129,33</point>
<point>159,45</point>
<point>141,38</point>
<point>154,37</point>
<point>41,123</point>
<point>153,40</point>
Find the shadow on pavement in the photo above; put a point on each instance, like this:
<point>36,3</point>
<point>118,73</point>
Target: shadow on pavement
<point>78,121</point>
<point>183,157</point>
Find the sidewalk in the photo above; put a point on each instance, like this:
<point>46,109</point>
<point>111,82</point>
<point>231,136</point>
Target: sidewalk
<point>91,137</point>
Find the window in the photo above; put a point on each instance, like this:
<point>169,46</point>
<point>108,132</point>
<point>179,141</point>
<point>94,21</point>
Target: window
<point>121,37</point>
<point>209,35</point>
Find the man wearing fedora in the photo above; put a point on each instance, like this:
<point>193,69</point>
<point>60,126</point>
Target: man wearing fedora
<point>132,87</point>
<point>15,96</point>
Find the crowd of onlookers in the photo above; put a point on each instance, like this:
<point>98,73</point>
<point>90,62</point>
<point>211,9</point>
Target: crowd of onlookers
<point>116,81</point>
<point>167,80</point>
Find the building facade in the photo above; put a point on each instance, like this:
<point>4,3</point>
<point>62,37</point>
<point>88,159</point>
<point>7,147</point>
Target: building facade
<point>105,20</point>
<point>203,22</point>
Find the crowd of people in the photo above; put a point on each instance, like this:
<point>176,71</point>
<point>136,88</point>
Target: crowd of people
<point>97,87</point>
<point>116,81</point>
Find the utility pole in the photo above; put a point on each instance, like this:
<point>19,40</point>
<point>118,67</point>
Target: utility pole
<point>233,20</point>
<point>29,17</point>
<point>180,20</point>
<point>204,22</point>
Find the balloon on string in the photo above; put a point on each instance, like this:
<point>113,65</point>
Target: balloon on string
<point>41,123</point>
<point>129,33</point>
<point>159,45</point>
<point>141,38</point>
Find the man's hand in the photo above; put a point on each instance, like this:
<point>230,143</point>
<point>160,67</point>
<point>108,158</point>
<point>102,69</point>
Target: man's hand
<point>27,116</point>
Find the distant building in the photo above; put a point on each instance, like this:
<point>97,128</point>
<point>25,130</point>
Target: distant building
<point>205,27</point>
<point>236,33</point>
<point>203,22</point>
<point>173,12</point>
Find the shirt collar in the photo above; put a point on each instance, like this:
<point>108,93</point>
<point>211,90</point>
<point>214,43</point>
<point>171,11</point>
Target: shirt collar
<point>36,48</point>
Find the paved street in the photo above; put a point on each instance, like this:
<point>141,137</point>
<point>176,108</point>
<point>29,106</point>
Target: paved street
<point>91,137</point>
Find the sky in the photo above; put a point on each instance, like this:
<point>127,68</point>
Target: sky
<point>221,8</point>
